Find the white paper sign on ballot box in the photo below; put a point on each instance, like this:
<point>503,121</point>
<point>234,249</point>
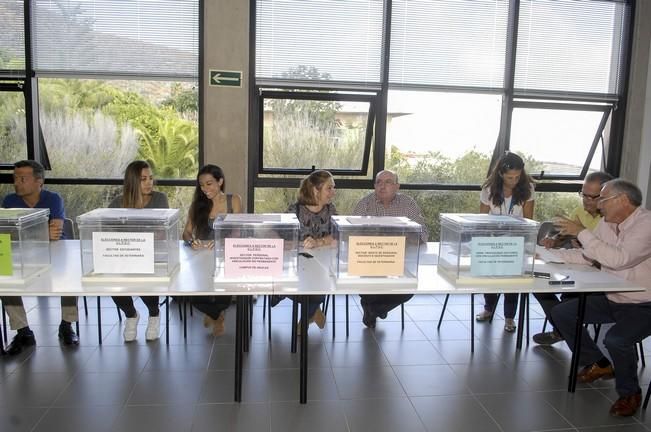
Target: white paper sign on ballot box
<point>123,252</point>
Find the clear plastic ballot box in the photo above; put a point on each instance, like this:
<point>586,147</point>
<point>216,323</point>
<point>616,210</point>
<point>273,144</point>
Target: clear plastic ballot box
<point>129,244</point>
<point>486,248</point>
<point>375,249</point>
<point>257,248</point>
<point>24,244</point>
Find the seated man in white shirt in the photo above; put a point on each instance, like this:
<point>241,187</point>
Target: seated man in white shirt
<point>621,242</point>
<point>386,201</point>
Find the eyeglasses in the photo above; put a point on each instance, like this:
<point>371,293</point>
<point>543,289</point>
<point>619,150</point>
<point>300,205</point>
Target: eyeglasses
<point>589,197</point>
<point>384,182</point>
<point>601,200</point>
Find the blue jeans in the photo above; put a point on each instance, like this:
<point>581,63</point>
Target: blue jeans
<point>510,304</point>
<point>632,324</point>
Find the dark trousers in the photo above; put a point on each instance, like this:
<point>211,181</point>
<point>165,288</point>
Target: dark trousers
<point>125,303</point>
<point>382,304</point>
<point>510,304</point>
<point>314,302</point>
<point>212,306</point>
<point>549,300</point>
<point>632,324</point>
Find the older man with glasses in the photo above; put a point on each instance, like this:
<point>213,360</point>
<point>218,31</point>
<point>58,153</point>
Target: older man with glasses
<point>621,242</point>
<point>588,216</point>
<point>386,201</point>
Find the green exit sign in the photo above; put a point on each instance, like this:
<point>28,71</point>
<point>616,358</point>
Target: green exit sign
<point>222,78</point>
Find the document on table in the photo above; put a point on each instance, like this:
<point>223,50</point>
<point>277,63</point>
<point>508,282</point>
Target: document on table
<point>548,256</point>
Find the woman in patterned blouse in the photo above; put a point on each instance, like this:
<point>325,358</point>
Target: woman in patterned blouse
<point>313,209</point>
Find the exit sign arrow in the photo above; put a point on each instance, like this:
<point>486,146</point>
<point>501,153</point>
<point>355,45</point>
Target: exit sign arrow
<point>222,78</point>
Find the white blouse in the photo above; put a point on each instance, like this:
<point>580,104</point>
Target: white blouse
<point>505,208</point>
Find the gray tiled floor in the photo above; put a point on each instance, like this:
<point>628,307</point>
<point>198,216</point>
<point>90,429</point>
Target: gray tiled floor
<point>389,379</point>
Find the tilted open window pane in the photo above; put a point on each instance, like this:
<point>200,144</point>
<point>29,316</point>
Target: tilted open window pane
<point>441,137</point>
<point>453,43</point>
<point>13,140</point>
<point>571,46</point>
<point>144,38</point>
<point>12,38</point>
<point>556,141</point>
<point>339,39</point>
<point>316,131</point>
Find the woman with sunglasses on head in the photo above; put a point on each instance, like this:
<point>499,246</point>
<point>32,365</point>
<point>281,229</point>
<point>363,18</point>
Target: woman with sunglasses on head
<point>137,193</point>
<point>508,190</point>
<point>209,200</point>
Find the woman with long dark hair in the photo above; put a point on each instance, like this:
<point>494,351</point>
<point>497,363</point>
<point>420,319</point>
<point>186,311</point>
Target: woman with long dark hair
<point>209,200</point>
<point>508,190</point>
<point>138,192</point>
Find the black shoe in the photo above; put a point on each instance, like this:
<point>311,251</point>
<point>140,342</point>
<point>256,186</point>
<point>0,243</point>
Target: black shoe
<point>369,319</point>
<point>68,335</point>
<point>20,341</point>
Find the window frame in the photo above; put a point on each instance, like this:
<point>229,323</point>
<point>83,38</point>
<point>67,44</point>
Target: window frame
<point>371,99</point>
<point>605,109</point>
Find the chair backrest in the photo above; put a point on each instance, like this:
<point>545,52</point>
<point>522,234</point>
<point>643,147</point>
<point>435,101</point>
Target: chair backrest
<point>69,230</point>
<point>546,229</point>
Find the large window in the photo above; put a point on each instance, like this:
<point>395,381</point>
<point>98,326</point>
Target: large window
<point>107,82</point>
<point>562,140</point>
<point>441,137</point>
<point>457,83</point>
<point>94,128</point>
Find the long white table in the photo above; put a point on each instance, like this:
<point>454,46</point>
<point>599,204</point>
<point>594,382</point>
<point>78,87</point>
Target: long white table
<point>315,279</point>
<point>195,278</point>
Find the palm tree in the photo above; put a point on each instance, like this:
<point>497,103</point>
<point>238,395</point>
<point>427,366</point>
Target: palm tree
<point>172,149</point>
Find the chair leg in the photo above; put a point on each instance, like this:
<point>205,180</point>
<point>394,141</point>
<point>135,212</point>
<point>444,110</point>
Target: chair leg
<point>472,323</point>
<point>646,398</point>
<point>99,320</point>
<point>250,316</point>
<point>85,306</point>
<point>264,307</point>
<point>185,318</point>
<point>528,318</point>
<point>268,306</point>
<point>597,329</point>
<point>402,315</point>
<point>347,319</point>
<point>334,316</point>
<point>641,348</point>
<point>179,301</point>
<point>325,305</point>
<point>445,305</point>
<point>294,321</point>
<point>544,325</point>
<point>77,326</point>
<point>117,308</point>
<point>4,323</point>
<point>490,320</point>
